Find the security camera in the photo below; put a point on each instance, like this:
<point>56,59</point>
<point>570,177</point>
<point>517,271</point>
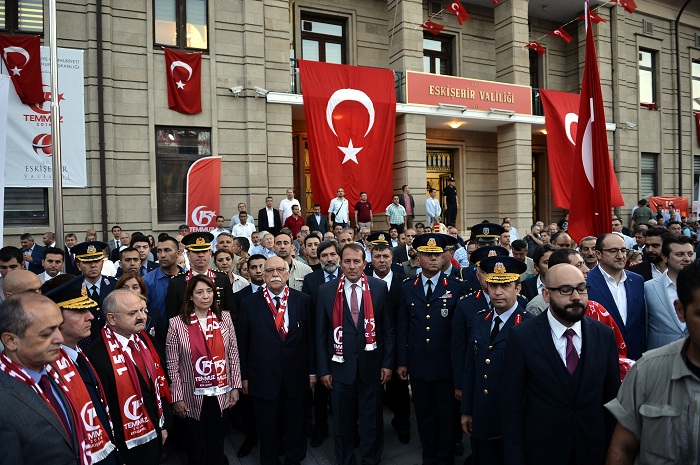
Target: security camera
<point>236,90</point>
<point>260,92</point>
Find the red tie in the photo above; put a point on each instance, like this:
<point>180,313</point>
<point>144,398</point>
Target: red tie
<point>138,360</point>
<point>354,305</point>
<point>48,392</point>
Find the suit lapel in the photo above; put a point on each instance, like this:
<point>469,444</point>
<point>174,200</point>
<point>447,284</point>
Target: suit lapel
<point>661,294</point>
<point>35,402</point>
<point>503,332</point>
<point>544,336</point>
<point>589,344</point>
<point>607,299</point>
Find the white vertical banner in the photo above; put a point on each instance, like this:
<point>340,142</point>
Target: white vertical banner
<point>5,83</point>
<point>28,161</point>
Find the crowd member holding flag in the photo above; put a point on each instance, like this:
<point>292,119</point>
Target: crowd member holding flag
<point>278,366</point>
<point>355,355</point>
<point>204,369</point>
<point>133,379</point>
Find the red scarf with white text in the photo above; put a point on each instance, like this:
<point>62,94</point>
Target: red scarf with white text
<point>370,334</point>
<point>208,357</point>
<point>279,314</point>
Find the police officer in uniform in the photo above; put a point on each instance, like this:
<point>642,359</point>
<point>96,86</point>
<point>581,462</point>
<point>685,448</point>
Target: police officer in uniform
<point>423,332</point>
<point>483,234</point>
<point>483,368</point>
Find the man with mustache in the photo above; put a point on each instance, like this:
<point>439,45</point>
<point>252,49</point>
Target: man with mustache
<point>561,367</point>
<point>653,266</point>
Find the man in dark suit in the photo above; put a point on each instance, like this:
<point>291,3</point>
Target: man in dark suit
<point>71,266</point>
<point>423,348</point>
<point>198,245</point>
<point>400,253</point>
<point>141,244</point>
<point>33,430</point>
<point>329,255</point>
<point>32,254</point>
<point>269,219</point>
<point>482,383</point>
<point>355,355</point>
<point>532,287</point>
<point>626,305</point>
<point>561,368</point>
<point>317,221</point>
<point>276,345</point>
<point>90,258</point>
<point>117,360</point>
<point>654,265</point>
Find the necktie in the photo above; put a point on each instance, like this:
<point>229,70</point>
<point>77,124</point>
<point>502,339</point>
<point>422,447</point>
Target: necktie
<point>93,293</point>
<point>496,327</point>
<point>429,292</point>
<point>354,305</point>
<point>330,277</point>
<point>571,354</point>
<point>138,360</point>
<point>277,303</point>
<point>48,392</point>
<point>143,270</point>
<point>82,363</point>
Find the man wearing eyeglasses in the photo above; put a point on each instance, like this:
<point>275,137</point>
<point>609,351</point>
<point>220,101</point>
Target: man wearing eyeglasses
<point>561,367</point>
<point>620,291</point>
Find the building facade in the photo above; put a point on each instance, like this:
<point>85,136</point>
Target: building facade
<point>138,151</point>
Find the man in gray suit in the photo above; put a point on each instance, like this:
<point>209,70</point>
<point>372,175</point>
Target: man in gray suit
<point>663,325</point>
<point>37,424</point>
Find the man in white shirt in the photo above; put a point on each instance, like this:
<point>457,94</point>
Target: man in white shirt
<point>287,203</point>
<point>338,209</point>
<point>236,218</point>
<point>244,228</point>
<point>432,208</point>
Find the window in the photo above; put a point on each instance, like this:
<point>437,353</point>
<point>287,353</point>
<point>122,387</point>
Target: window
<point>26,206</point>
<point>696,85</point>
<point>647,76</point>
<point>648,181</point>
<point>176,150</point>
<point>437,54</point>
<point>181,23</point>
<point>323,39</point>
<point>22,16</point>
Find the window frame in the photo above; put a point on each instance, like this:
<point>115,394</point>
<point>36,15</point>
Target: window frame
<point>165,214</point>
<point>448,56</point>
<point>12,20</point>
<point>693,79</point>
<point>26,219</point>
<point>652,70</point>
<point>649,172</point>
<point>323,38</point>
<point>181,27</point>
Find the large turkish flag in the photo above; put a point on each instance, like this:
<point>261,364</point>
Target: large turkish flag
<point>22,58</point>
<point>183,72</point>
<point>350,116</point>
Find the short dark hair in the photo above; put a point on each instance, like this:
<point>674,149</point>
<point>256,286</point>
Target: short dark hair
<point>540,250</point>
<point>560,256</point>
<point>138,238</point>
<point>52,251</point>
<point>311,236</point>
<point>674,222</point>
<point>518,245</point>
<point>687,282</point>
<point>116,226</point>
<point>70,235</point>
<point>257,256</point>
<point>363,192</point>
<point>26,237</point>
<point>165,237</point>
<point>353,246</point>
<point>642,202</point>
<point>404,186</point>
<point>243,212</point>
<point>317,205</point>
<point>657,232</point>
<point>9,252</point>
<point>325,244</point>
<point>671,239</point>
<point>243,242</point>
<point>286,232</point>
<point>381,248</point>
<point>127,249</point>
<point>220,216</point>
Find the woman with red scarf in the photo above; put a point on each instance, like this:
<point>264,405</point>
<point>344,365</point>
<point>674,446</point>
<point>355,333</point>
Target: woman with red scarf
<point>203,364</point>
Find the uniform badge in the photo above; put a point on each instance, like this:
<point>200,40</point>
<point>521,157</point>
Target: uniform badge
<point>486,231</point>
<point>499,268</point>
<point>492,253</point>
<point>91,249</point>
<point>444,312</point>
<point>447,295</point>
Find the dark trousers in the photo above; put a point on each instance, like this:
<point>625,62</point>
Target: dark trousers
<point>286,414</point>
<point>244,409</point>
<point>318,405</point>
<point>205,437</point>
<point>434,415</point>
<point>345,400</point>
<point>488,451</point>
<point>399,401</point>
<point>409,221</point>
<point>451,215</point>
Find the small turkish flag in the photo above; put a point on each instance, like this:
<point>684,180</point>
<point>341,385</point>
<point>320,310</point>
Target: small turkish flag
<point>433,28</point>
<point>22,58</point>
<point>457,8</point>
<point>628,5</point>
<point>536,46</point>
<point>560,32</point>
<point>183,73</point>
<point>595,17</point>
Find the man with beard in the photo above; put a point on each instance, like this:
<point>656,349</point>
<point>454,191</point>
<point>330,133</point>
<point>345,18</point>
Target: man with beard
<point>653,266</point>
<point>561,367</point>
<point>329,258</point>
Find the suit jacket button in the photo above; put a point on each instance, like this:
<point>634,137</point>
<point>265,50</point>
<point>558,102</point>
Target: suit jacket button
<point>486,391</point>
<point>427,341</point>
<point>488,360</point>
<point>490,347</point>
<point>486,376</point>
<point>427,317</point>
<point>427,328</point>
<point>427,305</point>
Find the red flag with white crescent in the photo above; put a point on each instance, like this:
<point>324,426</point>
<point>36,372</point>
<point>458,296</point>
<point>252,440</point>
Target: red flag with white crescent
<point>561,120</point>
<point>560,32</point>
<point>628,5</point>
<point>203,200</point>
<point>537,47</point>
<point>351,116</point>
<point>183,73</point>
<point>590,214</point>
<point>22,58</point>
<point>432,27</point>
<point>457,8</point>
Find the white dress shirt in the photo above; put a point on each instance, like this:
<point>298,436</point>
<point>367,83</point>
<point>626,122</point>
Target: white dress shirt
<point>340,209</point>
<point>503,316</point>
<point>348,292</point>
<point>672,292</point>
<point>559,338</point>
<point>618,291</point>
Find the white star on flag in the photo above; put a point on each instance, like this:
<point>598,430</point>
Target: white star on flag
<point>350,153</point>
<point>16,71</point>
<point>180,85</point>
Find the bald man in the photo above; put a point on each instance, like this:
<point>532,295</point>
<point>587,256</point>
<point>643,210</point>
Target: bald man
<point>21,281</point>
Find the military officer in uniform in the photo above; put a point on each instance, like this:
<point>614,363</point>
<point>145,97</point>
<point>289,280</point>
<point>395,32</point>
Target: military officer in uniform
<point>447,266</point>
<point>198,245</point>
<point>483,368</point>
<point>424,316</point>
<point>483,234</point>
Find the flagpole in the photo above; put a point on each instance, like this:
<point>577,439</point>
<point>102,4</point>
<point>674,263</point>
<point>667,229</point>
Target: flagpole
<point>57,165</point>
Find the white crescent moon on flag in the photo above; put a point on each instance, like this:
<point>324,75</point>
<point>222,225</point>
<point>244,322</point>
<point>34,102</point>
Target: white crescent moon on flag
<point>341,95</point>
<point>181,64</point>
<point>454,7</point>
<point>568,121</point>
<point>19,50</point>
<point>587,149</point>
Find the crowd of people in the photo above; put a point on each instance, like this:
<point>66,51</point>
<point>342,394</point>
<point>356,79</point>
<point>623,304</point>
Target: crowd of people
<point>543,350</point>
